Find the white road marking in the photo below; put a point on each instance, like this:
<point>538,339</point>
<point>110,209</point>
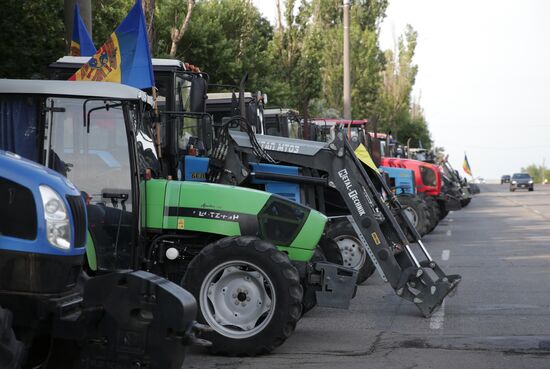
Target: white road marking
<point>438,318</point>
<point>449,233</point>
<point>445,255</point>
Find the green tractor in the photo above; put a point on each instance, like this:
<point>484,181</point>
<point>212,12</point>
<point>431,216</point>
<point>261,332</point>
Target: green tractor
<point>245,255</point>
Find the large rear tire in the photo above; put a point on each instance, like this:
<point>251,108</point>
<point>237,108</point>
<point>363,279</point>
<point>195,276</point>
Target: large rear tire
<point>353,253</point>
<point>443,212</point>
<point>433,208</point>
<point>11,350</point>
<point>465,202</point>
<point>248,292</point>
<point>417,211</point>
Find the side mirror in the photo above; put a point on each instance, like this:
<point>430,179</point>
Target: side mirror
<point>197,99</point>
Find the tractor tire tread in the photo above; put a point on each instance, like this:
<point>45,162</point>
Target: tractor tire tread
<point>281,265</point>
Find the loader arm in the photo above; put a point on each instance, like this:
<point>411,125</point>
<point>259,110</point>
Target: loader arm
<point>419,280</point>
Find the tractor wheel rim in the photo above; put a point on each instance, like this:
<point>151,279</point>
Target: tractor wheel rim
<point>237,299</point>
<point>353,253</point>
<point>412,215</point>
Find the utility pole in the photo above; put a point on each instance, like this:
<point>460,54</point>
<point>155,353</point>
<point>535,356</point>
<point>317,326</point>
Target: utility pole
<point>85,13</point>
<point>347,77</point>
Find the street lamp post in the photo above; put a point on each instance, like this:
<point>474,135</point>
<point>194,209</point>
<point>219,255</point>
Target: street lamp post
<point>347,78</point>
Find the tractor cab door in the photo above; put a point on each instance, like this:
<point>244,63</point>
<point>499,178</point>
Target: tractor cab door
<point>94,155</point>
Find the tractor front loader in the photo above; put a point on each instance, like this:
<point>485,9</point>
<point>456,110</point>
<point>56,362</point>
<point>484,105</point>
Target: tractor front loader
<point>331,173</point>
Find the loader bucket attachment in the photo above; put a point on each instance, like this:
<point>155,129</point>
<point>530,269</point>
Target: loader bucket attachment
<point>408,267</point>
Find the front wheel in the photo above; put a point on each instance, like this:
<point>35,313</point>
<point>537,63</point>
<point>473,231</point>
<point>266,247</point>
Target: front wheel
<point>353,253</point>
<point>11,350</point>
<point>417,212</point>
<point>248,292</point>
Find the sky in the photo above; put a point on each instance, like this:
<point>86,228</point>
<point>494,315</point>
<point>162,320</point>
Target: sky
<point>483,79</point>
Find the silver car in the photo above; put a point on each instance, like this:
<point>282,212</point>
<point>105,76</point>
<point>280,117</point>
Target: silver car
<point>521,180</point>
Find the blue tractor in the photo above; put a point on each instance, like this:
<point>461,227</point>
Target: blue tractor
<point>52,314</point>
<point>402,182</point>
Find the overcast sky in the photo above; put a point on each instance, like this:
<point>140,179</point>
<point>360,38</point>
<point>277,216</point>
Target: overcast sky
<point>484,77</point>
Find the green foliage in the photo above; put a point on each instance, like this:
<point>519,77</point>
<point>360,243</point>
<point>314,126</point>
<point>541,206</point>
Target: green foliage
<point>225,38</point>
<point>536,171</point>
<point>294,52</point>
<point>393,106</point>
<point>298,65</point>
<point>106,16</point>
<point>32,36</point>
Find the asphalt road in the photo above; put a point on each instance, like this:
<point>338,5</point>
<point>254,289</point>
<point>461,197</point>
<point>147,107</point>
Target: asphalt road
<point>499,317</point>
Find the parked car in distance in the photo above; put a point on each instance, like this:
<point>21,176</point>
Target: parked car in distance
<point>521,180</point>
<point>505,179</point>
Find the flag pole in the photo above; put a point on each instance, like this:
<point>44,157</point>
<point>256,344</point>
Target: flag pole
<point>154,92</point>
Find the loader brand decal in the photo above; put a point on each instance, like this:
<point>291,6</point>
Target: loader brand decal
<point>353,195</point>
<point>248,223</point>
<point>375,238</point>
<point>280,146</point>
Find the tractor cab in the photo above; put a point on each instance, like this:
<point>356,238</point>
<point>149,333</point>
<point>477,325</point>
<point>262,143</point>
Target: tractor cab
<point>180,102</point>
<point>282,122</point>
<point>96,135</point>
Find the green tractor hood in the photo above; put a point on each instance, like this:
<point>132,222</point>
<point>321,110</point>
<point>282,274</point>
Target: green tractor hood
<point>232,211</point>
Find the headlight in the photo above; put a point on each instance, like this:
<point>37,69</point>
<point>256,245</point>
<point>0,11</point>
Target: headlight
<point>514,182</point>
<point>58,228</point>
<point>530,182</point>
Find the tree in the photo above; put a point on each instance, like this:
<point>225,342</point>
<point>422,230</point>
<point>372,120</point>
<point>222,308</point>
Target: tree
<point>295,51</point>
<point>225,38</point>
<point>536,172</point>
<point>398,78</point>
<point>106,16</point>
<point>149,12</point>
<point>32,37</point>
<point>367,60</point>
<point>176,33</point>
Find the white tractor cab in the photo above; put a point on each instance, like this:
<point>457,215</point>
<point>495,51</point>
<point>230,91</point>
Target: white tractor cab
<point>282,122</point>
<point>219,103</point>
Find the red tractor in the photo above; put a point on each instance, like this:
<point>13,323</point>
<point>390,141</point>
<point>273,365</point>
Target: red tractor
<point>430,185</point>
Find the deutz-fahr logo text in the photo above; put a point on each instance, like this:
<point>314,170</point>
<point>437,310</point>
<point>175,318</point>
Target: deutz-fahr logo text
<point>343,174</point>
<point>280,146</point>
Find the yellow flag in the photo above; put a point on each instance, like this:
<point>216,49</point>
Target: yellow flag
<point>363,155</point>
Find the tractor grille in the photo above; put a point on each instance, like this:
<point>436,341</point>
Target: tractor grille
<point>17,211</point>
<point>79,217</point>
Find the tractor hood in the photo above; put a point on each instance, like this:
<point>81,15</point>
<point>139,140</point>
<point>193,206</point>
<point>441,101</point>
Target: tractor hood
<point>232,211</point>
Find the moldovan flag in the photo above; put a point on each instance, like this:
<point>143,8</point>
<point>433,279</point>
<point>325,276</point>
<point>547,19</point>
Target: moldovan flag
<point>466,166</point>
<point>125,57</point>
<point>81,42</point>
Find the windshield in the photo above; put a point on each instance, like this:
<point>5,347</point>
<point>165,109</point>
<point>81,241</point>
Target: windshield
<point>521,176</point>
<point>96,159</point>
